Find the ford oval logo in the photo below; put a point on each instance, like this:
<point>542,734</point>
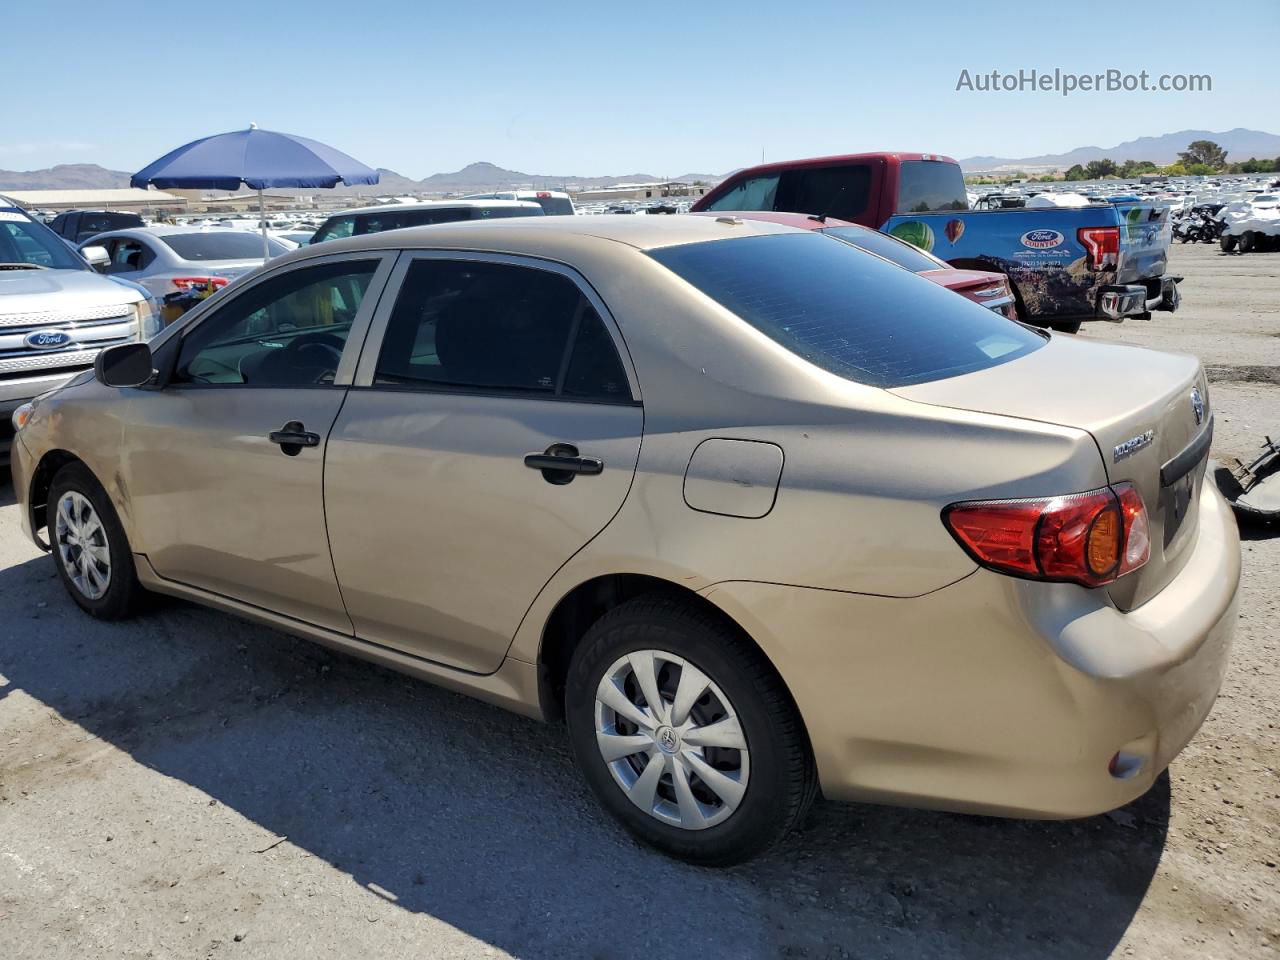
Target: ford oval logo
<point>47,339</point>
<point>1042,239</point>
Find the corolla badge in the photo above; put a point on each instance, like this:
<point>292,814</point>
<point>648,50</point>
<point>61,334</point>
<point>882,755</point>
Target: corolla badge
<point>46,339</point>
<point>1132,445</point>
<point>1197,405</point>
<point>1042,239</point>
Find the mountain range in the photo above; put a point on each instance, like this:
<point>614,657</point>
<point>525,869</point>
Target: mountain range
<point>1240,144</point>
<point>472,178</point>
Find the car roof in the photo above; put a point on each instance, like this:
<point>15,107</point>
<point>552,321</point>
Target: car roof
<point>539,236</point>
<point>434,205</point>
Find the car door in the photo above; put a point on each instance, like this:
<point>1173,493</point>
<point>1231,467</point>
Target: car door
<point>224,462</point>
<point>447,504</point>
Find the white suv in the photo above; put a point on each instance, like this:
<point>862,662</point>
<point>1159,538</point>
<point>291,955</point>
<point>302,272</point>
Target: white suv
<point>56,312</point>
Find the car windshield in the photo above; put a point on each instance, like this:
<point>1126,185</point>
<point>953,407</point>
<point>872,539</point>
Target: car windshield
<point>891,248</point>
<point>23,241</point>
<point>221,245</point>
<point>849,313</point>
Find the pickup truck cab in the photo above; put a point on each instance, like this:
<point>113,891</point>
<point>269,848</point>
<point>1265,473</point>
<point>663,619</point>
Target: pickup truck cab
<point>1106,261</point>
<point>56,313</point>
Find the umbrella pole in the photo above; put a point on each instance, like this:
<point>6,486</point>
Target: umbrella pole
<point>262,223</point>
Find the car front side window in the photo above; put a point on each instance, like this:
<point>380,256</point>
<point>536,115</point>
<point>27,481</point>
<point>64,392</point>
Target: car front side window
<point>287,331</point>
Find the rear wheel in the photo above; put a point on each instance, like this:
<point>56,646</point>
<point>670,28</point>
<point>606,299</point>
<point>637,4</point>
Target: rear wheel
<point>686,734</point>
<point>90,551</point>
<point>1066,326</point>
<point>1247,241</point>
<point>1228,242</point>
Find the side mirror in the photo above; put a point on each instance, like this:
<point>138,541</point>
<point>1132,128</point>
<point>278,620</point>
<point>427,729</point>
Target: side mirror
<point>97,256</point>
<point>125,365</point>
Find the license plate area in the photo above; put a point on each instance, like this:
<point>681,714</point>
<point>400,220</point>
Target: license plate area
<point>1175,504</point>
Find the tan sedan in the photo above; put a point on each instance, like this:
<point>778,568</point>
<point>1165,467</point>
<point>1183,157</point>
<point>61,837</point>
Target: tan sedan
<point>755,513</point>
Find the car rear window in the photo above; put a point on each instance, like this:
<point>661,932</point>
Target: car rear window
<point>846,312</point>
<point>925,185</point>
<point>554,206</point>
<point>223,245</point>
<point>891,248</point>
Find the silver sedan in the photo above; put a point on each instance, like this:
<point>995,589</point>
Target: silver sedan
<point>172,259</point>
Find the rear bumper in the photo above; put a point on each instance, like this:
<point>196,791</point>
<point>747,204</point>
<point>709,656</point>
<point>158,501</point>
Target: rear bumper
<point>1002,696</point>
<point>1117,301</point>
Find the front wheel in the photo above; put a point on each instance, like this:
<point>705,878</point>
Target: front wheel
<point>686,734</point>
<point>1248,241</point>
<point>90,550</point>
<point>1228,242</point>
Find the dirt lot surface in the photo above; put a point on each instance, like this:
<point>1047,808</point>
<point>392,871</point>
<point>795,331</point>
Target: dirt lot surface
<point>188,785</point>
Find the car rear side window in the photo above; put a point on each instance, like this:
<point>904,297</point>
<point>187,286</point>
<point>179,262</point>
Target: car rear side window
<point>925,185</point>
<point>838,191</point>
<point>847,312</point>
<point>498,327</point>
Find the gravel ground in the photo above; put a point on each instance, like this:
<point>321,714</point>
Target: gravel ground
<point>188,785</point>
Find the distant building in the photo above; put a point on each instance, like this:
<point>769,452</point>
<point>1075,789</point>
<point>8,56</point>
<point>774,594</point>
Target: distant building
<point>129,198</point>
<point>641,191</point>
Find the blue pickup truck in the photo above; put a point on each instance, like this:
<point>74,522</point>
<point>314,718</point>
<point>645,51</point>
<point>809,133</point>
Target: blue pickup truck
<point>1106,261</point>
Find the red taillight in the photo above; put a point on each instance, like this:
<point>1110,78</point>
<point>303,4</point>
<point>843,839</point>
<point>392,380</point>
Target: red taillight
<point>543,195</point>
<point>1103,245</point>
<point>199,283</point>
<point>1087,538</point>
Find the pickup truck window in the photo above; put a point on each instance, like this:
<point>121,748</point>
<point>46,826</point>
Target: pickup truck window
<point>840,191</point>
<point>925,185</point>
<point>851,314</point>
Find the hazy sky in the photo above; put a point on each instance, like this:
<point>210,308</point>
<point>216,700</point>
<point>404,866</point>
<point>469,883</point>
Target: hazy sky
<point>576,89</point>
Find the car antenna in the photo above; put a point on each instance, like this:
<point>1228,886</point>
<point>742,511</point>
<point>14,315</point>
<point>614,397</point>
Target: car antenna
<point>822,217</point>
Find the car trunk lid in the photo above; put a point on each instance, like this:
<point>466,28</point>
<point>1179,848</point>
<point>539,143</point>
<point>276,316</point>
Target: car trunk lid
<point>1140,406</point>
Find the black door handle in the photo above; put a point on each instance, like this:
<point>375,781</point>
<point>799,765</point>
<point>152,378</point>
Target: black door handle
<point>292,437</point>
<point>561,463</point>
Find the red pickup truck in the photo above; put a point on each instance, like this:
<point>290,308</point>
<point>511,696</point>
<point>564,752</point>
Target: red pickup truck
<point>1105,261</point>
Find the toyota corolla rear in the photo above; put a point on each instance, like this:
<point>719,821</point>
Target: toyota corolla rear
<point>1002,583</point>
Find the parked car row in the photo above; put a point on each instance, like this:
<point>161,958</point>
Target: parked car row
<point>752,508</point>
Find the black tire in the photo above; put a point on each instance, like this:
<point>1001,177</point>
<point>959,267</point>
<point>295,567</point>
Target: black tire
<point>1248,241</point>
<point>1065,326</point>
<point>1227,242</point>
<point>782,781</point>
<point>123,595</point>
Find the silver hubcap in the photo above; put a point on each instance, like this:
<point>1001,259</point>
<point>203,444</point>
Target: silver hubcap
<point>82,545</point>
<point>671,739</point>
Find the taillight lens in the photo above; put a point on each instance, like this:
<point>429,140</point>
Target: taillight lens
<point>199,283</point>
<point>1088,538</point>
<point>1102,245</point>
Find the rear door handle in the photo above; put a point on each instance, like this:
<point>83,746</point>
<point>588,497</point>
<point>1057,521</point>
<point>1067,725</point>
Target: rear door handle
<point>560,463</point>
<point>292,437</point>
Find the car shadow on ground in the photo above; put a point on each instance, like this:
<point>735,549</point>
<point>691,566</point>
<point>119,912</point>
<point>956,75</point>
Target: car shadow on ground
<point>452,808</point>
